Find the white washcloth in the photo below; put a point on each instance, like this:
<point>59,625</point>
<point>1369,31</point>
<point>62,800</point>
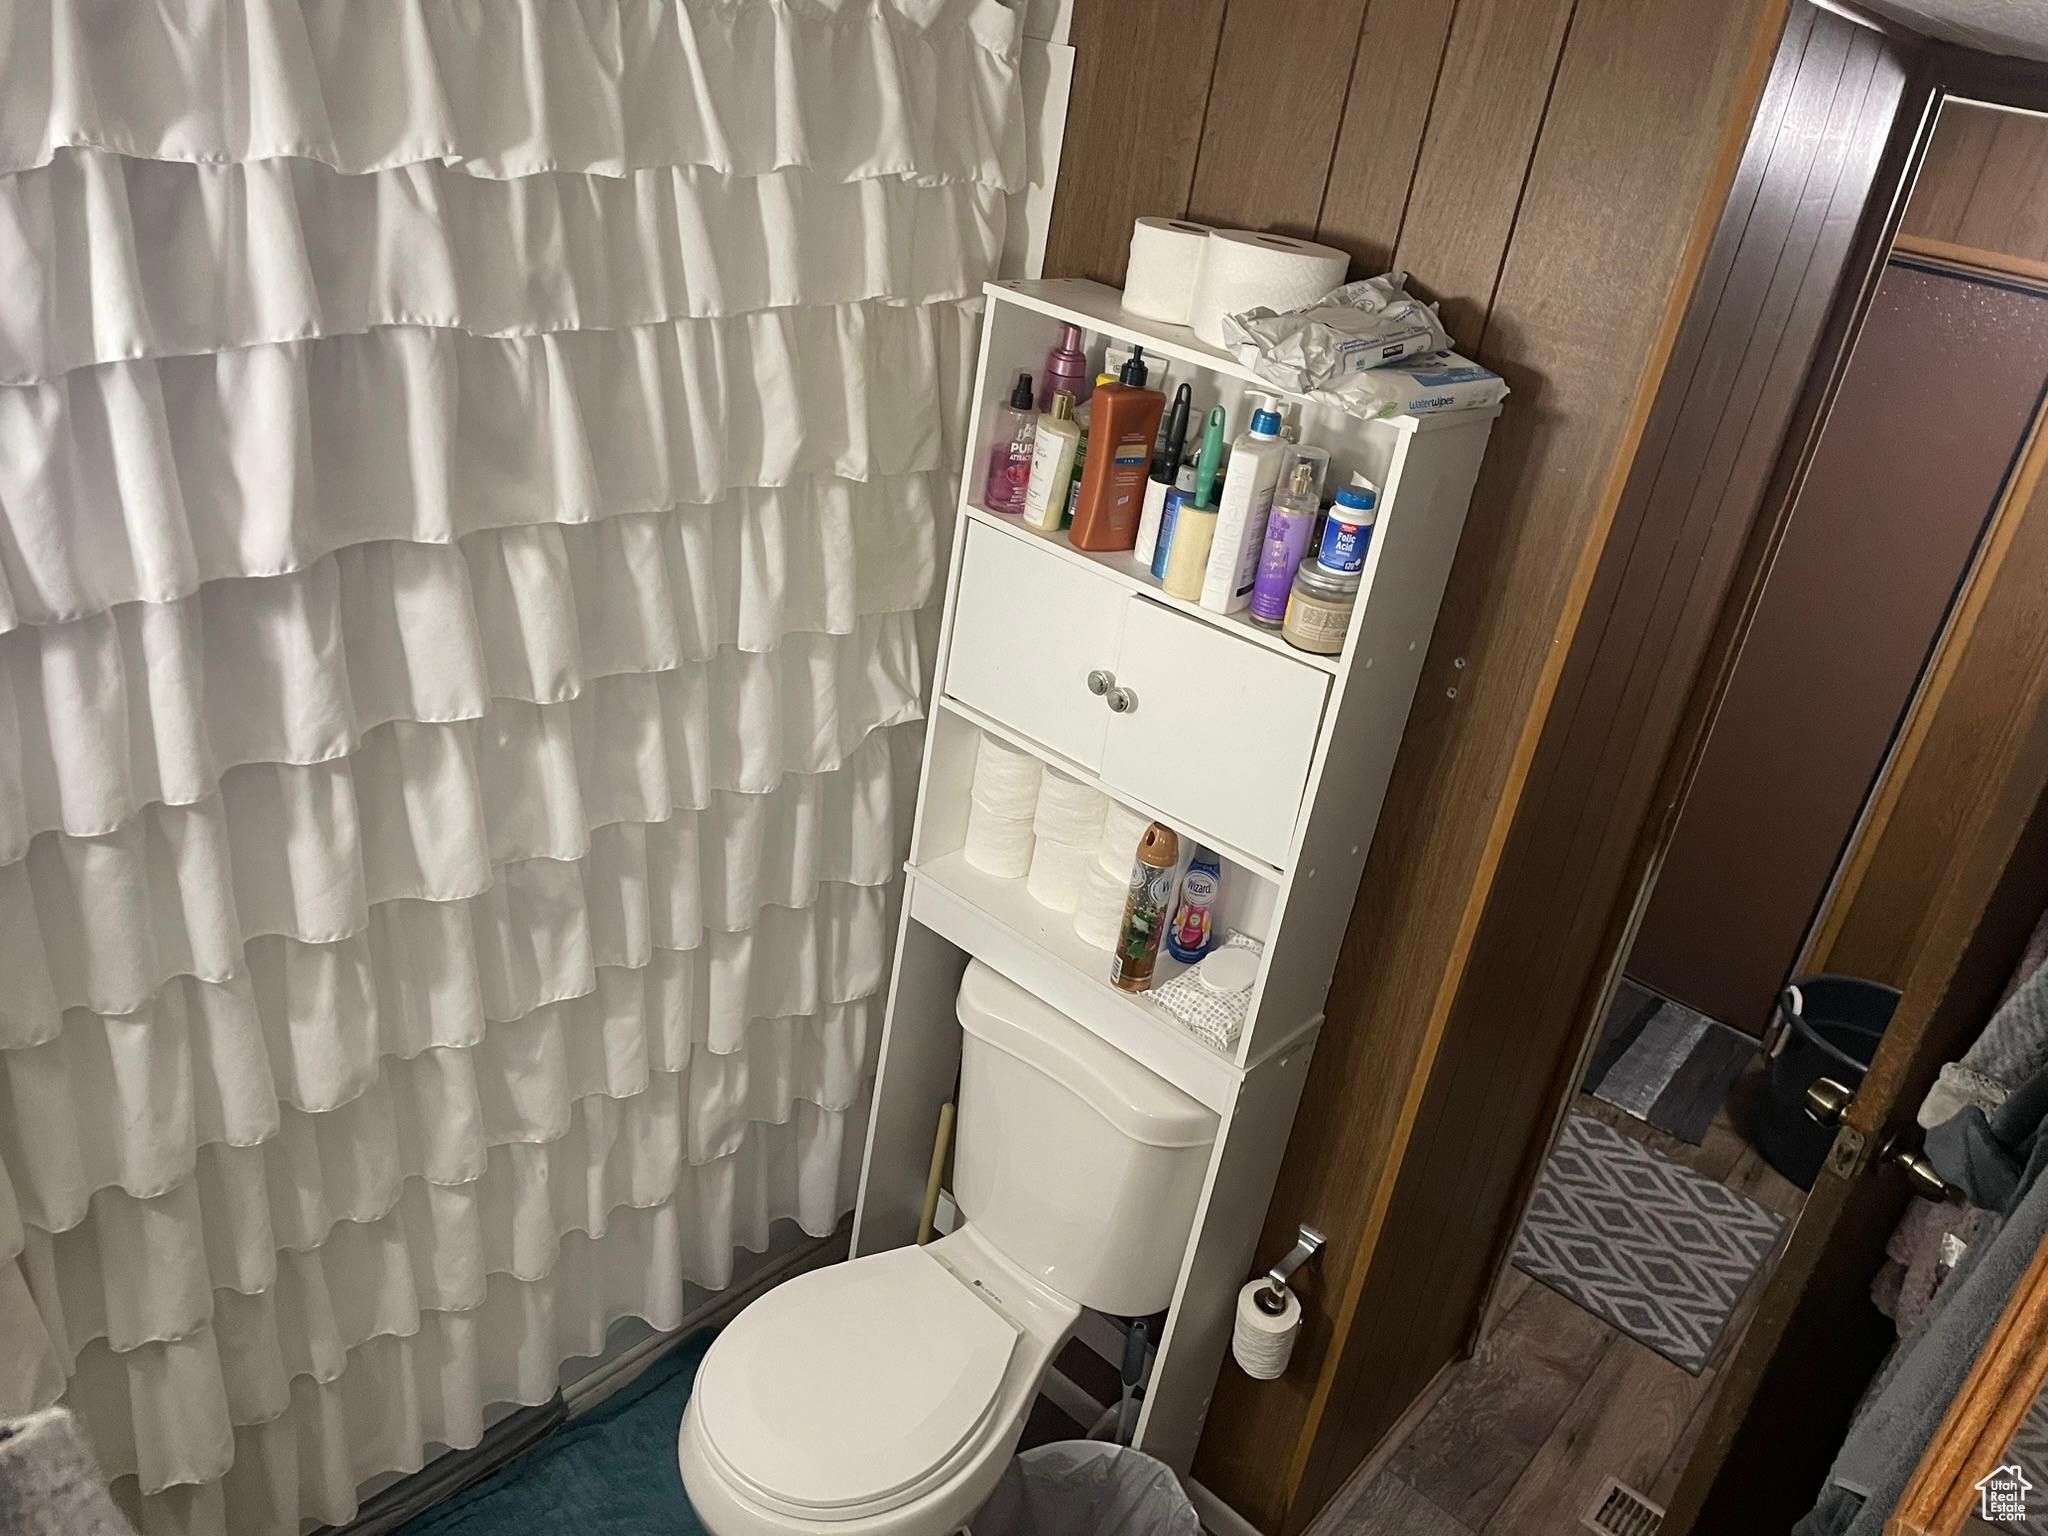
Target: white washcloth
<point>49,1483</point>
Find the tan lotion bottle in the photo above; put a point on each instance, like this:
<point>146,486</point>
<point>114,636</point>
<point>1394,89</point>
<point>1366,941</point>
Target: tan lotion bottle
<point>1052,464</point>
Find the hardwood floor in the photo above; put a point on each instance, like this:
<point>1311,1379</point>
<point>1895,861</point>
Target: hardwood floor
<point>1553,1401</point>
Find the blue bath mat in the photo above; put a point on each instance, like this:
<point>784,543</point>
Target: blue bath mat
<point>610,1473</point>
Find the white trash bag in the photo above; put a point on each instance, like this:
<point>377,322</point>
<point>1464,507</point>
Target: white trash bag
<point>1087,1488</point>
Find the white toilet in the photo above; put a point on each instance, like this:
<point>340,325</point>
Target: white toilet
<point>887,1395</point>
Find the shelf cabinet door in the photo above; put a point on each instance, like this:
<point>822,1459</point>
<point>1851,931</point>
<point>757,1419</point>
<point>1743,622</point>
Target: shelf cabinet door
<point>1028,628</point>
<point>1221,732</point>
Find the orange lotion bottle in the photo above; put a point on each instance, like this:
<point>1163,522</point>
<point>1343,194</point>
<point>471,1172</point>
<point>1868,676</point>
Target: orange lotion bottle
<point>1123,422</point>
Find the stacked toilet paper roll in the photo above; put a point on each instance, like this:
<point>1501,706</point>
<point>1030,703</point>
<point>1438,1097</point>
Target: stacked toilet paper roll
<point>1002,805</point>
<point>1190,274</point>
<point>1263,1342</point>
<point>1242,269</point>
<point>1106,883</point>
<point>1165,255</point>
<point>1068,828</point>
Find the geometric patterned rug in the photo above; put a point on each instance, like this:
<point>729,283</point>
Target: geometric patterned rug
<point>1657,1250</point>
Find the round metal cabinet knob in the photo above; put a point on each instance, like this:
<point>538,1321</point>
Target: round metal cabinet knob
<point>1100,682</point>
<point>1121,700</point>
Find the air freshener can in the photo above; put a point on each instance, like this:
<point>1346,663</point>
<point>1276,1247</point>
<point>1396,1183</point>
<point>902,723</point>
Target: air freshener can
<point>1191,934</point>
<point>1137,944</point>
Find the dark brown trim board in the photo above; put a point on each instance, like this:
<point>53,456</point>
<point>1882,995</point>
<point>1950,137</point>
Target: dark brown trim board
<point>1974,261</point>
<point>1580,182</point>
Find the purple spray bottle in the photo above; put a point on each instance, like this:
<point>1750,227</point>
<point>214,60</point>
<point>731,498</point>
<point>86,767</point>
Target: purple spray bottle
<point>1292,519</point>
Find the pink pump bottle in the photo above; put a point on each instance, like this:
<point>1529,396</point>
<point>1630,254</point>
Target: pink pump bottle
<point>1066,368</point>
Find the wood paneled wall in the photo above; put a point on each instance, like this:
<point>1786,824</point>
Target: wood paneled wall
<point>1628,715</point>
<point>1983,189</point>
<point>1555,172</point>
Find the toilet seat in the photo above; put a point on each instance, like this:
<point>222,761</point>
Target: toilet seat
<point>855,1389</point>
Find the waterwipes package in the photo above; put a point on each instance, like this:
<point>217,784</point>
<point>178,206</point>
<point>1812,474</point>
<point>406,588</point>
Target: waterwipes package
<point>1354,329</point>
<point>1420,386</point>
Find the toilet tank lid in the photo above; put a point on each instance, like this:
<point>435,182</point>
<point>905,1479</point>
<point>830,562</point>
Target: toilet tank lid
<point>1137,1101</point>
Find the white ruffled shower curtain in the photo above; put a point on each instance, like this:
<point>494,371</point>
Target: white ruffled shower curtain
<point>472,477</point>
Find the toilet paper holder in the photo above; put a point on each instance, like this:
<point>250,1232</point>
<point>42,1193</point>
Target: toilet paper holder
<point>1272,1300</point>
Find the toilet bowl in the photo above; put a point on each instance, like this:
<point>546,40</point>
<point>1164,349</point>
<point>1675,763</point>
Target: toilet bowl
<point>885,1396</point>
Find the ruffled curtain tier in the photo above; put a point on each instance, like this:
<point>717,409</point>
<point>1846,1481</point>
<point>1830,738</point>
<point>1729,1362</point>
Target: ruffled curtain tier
<point>300,251</point>
<point>136,482</point>
<point>473,477</point>
<point>852,89</point>
<point>392,647</point>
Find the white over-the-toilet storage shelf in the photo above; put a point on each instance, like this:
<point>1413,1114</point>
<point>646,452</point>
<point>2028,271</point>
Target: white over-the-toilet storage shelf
<point>1275,758</point>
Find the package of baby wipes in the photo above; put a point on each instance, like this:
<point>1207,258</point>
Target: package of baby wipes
<point>1419,386</point>
<point>1351,330</point>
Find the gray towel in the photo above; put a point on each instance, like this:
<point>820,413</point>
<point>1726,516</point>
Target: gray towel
<point>1997,1161</point>
<point>49,1483</point>
<point>1984,1121</point>
<point>1986,1156</point>
<point>1887,1440</point>
<point>2013,1047</point>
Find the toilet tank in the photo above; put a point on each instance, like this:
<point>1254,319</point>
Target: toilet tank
<point>1080,1165</point>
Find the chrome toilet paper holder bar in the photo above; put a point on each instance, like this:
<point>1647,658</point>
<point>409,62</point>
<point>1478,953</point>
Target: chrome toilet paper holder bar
<point>1273,1299</point>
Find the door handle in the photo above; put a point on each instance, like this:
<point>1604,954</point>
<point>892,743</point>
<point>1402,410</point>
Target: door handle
<point>1120,700</point>
<point>1827,1101</point>
<point>1919,1172</point>
<point>1100,682</point>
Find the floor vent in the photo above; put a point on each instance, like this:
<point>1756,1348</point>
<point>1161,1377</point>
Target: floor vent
<point>1621,1511</point>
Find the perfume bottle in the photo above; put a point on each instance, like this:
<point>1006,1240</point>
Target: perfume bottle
<point>1009,454</point>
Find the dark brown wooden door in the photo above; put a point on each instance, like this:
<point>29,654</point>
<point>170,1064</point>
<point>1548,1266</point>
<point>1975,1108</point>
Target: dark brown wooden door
<point>1938,895</point>
<point>1946,376</point>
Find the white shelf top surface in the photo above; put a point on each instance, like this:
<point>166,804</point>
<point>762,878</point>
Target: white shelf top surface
<point>1098,307</point>
<point>1023,936</point>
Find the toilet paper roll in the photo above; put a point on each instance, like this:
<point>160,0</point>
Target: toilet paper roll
<point>1070,812</point>
<point>1263,1344</point>
<point>1099,913</point>
<point>996,844</point>
<point>1006,778</point>
<point>1165,256</point>
<point>1056,871</point>
<point>1242,269</point>
<point>1122,830</point>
